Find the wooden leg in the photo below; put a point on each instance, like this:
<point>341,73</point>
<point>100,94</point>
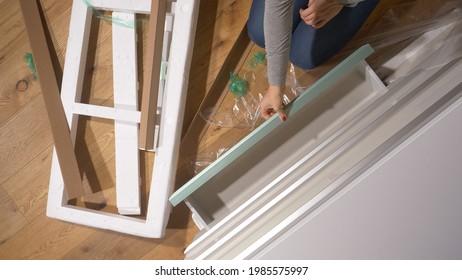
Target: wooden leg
<point>49,84</point>
<point>152,74</point>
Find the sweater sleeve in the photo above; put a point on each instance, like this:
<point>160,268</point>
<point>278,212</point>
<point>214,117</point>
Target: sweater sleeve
<point>349,3</point>
<point>277,24</point>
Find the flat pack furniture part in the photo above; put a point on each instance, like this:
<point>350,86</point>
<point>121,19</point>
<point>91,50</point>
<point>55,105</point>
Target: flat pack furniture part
<point>64,148</point>
<point>256,206</point>
<point>126,98</point>
<point>184,15</point>
<point>333,162</point>
<point>152,73</point>
<point>252,139</point>
<point>414,189</point>
<point>406,118</point>
<point>132,6</point>
<point>233,182</point>
<point>412,194</point>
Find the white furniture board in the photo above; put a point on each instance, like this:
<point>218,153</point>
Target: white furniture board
<point>394,117</point>
<point>158,208</point>
<point>406,207</point>
<point>305,138</point>
<point>126,133</point>
<point>446,97</point>
<point>106,112</point>
<point>266,219</point>
<point>133,6</point>
<point>284,146</point>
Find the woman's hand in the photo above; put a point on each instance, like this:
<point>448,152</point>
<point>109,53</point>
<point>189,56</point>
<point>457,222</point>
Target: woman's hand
<point>272,103</point>
<point>319,12</point>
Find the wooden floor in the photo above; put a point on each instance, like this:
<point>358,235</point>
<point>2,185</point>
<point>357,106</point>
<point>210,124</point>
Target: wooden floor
<point>26,143</point>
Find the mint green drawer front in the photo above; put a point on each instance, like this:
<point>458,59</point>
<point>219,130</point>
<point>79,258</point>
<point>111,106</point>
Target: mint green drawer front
<point>259,133</point>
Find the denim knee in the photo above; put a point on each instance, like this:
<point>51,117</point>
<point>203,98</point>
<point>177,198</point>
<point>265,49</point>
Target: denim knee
<point>303,64</point>
<point>255,35</point>
<point>255,23</point>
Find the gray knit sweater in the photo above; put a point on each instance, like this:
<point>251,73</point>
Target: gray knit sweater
<point>277,24</point>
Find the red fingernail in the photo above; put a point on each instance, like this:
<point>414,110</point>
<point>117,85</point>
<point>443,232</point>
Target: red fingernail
<point>284,118</point>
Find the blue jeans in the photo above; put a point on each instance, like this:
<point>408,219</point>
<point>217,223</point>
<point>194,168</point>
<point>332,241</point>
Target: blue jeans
<point>311,47</point>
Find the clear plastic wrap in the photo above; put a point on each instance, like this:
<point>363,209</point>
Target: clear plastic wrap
<point>409,19</point>
<point>240,109</point>
<point>108,18</point>
<point>442,45</point>
<point>201,161</point>
<point>401,32</point>
<point>430,32</point>
<point>247,92</point>
<point>242,112</point>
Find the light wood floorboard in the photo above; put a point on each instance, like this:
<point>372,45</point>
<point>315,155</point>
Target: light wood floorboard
<point>26,144</point>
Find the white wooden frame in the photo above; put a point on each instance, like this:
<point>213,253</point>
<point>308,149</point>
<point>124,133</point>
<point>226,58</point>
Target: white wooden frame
<point>126,133</point>
<point>158,207</point>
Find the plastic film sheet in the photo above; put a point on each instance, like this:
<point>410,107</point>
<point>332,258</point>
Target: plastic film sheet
<point>107,17</point>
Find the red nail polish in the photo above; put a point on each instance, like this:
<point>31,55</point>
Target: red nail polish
<point>284,118</point>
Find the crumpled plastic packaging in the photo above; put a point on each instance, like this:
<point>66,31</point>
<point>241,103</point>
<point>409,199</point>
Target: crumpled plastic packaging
<point>110,19</point>
<point>248,91</point>
<point>29,59</point>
